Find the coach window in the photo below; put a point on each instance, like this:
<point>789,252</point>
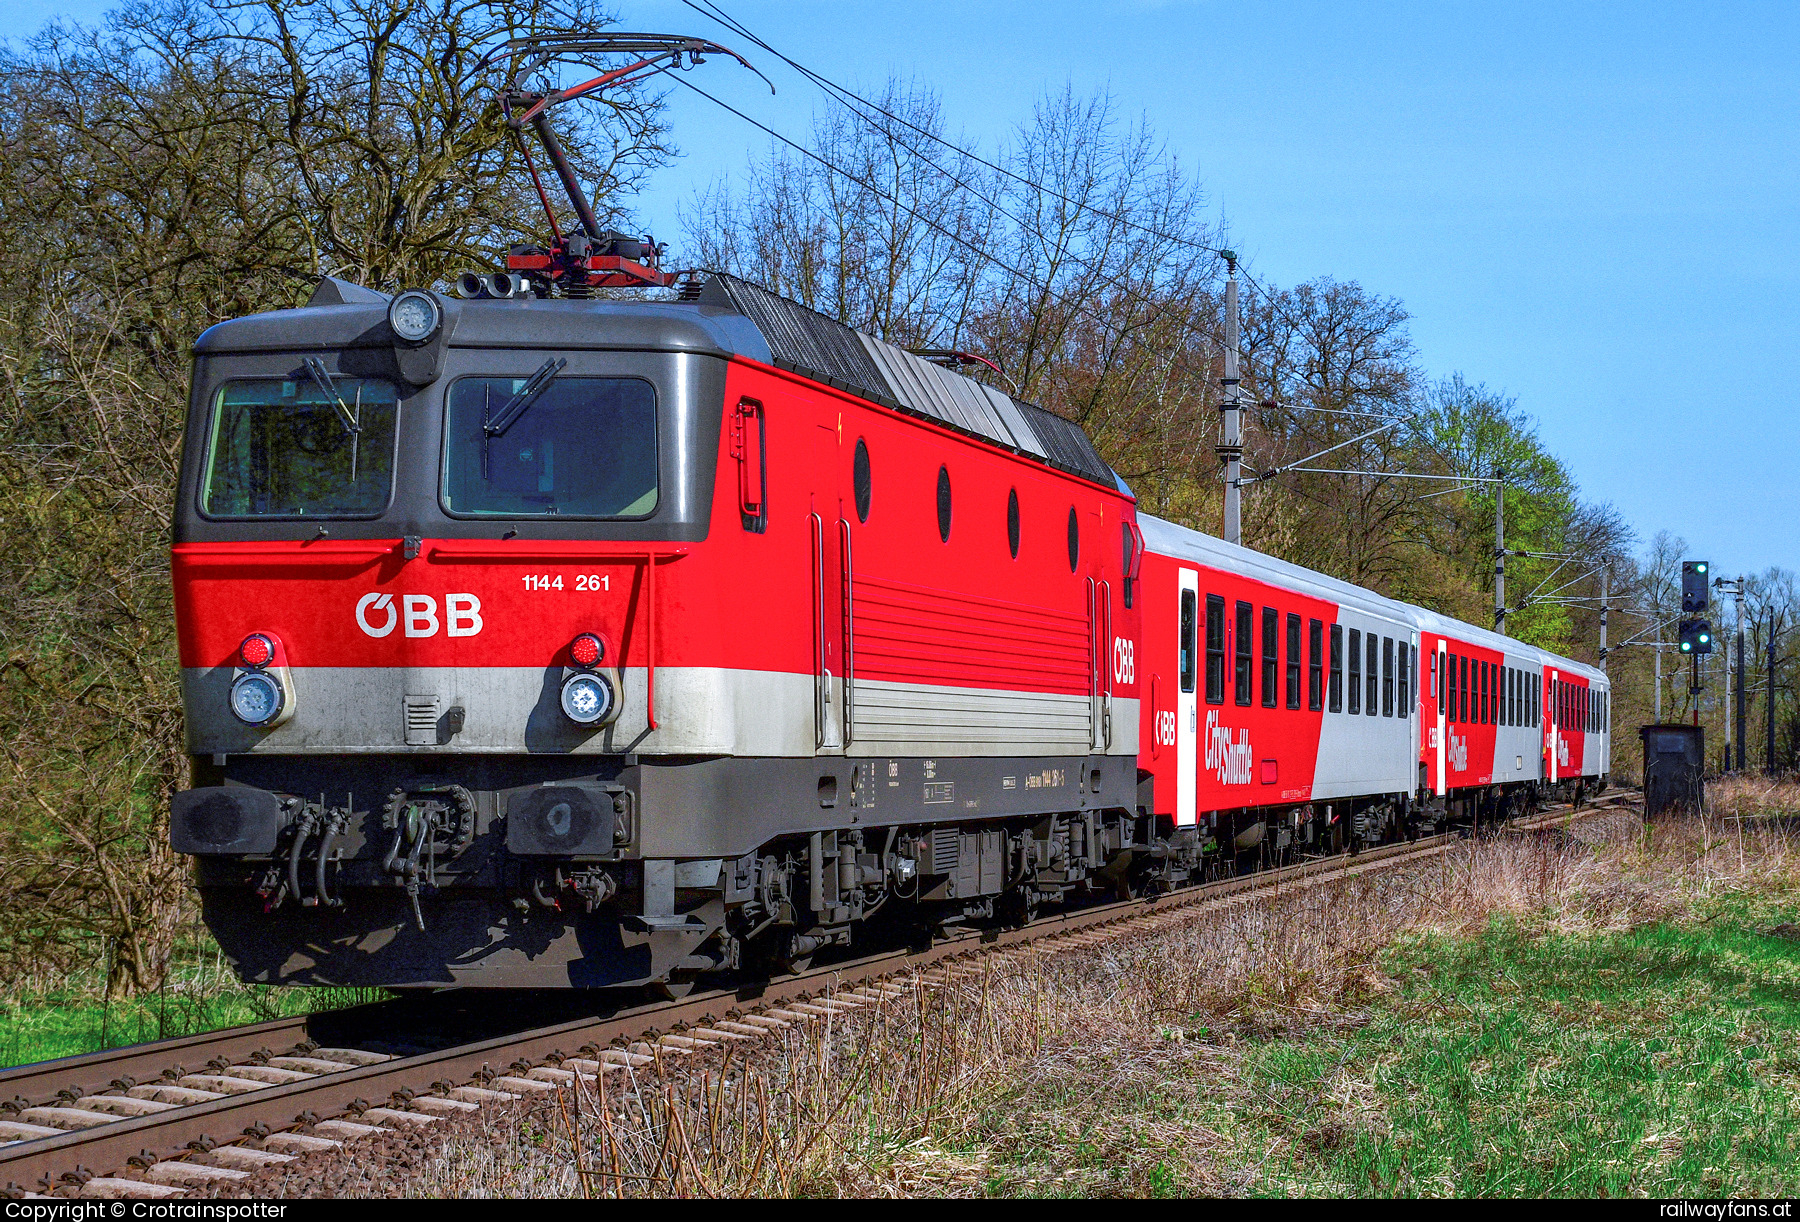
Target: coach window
<point>1012,529</point>
<point>1409,658</point>
<point>1374,676</point>
<point>1244,652</point>
<point>1337,668</point>
<point>1074,539</point>
<point>1315,666</point>
<point>1387,676</point>
<point>943,503</point>
<point>1462,680</point>
<point>1215,649</point>
<point>860,482</point>
<point>1355,670</point>
<point>1487,703</point>
<point>1293,661</point>
<point>1189,641</point>
<point>1271,655</point>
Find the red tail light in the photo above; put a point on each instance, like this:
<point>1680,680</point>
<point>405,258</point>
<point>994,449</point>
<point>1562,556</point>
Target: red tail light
<point>586,649</point>
<point>257,651</point>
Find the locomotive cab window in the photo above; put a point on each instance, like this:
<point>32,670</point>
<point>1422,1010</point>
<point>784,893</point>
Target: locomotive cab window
<point>546,446</point>
<point>293,449</point>
<point>1129,561</point>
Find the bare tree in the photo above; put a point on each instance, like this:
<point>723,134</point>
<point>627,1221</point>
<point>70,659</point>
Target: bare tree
<point>185,162</point>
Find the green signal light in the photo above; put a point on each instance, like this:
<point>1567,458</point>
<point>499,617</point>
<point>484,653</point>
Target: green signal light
<point>1686,648</point>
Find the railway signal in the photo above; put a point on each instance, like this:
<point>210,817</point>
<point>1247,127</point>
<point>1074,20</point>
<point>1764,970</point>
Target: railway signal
<point>1696,636</point>
<point>1694,586</point>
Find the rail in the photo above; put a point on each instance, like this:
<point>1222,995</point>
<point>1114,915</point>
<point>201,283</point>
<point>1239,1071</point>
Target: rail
<point>280,1104</point>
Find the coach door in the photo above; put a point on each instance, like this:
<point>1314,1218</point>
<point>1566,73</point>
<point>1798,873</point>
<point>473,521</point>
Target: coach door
<point>1439,738</point>
<point>831,567</point>
<point>1187,699</point>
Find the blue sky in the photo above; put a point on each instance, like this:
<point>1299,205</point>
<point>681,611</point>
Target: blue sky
<point>1592,207</point>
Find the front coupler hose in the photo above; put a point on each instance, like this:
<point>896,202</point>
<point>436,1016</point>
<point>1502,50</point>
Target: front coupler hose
<point>303,831</point>
<point>334,826</point>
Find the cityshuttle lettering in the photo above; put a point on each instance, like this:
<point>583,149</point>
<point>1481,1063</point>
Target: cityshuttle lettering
<point>1232,761</point>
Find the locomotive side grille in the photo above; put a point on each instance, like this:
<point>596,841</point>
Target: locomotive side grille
<point>421,721</point>
<point>945,843</point>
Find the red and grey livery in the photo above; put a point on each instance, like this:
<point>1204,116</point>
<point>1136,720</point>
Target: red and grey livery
<point>543,643</point>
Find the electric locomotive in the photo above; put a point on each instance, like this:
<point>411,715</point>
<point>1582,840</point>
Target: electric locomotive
<point>548,642</point>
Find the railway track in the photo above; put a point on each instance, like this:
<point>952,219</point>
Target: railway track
<point>139,1122</point>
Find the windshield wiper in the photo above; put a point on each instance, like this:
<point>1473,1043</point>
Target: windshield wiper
<point>352,420</point>
<point>321,376</point>
<point>526,395</point>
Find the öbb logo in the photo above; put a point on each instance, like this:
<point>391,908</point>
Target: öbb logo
<point>377,615</point>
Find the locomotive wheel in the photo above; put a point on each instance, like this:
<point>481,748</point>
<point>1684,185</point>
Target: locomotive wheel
<point>1018,907</point>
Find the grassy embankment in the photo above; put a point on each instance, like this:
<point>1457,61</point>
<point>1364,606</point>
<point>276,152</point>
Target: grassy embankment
<point>1612,1012</point>
<point>49,1017</point>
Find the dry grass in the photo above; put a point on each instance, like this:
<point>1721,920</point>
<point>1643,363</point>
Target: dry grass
<point>1138,1069</point>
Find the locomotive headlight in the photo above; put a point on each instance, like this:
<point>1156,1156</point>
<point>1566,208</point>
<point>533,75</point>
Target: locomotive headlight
<point>587,699</point>
<point>257,698</point>
<point>415,316</point>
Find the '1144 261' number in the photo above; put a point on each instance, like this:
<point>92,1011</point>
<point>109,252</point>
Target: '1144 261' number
<point>583,581</point>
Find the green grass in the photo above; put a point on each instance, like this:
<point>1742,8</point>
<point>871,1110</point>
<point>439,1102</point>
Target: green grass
<point>74,1020</point>
<point>1661,1062</point>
